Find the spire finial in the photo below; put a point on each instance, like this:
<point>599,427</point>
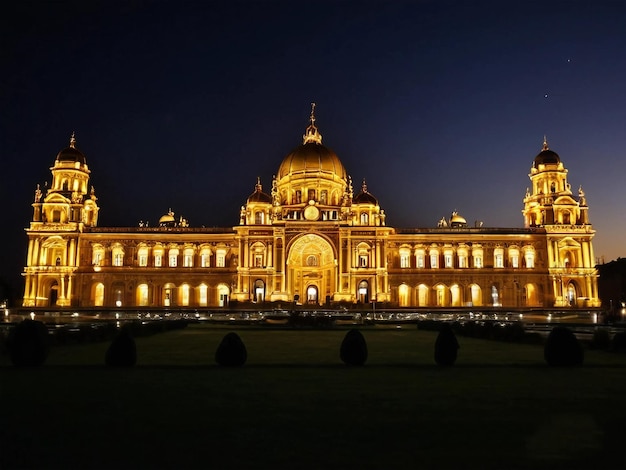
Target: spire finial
<point>258,188</point>
<point>73,140</point>
<point>312,134</point>
<point>364,186</point>
<point>545,142</point>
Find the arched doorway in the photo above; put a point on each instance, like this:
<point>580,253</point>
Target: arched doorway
<point>222,294</point>
<point>169,290</point>
<point>312,294</point>
<point>476,295</point>
<point>311,261</point>
<point>570,294</point>
<point>53,295</point>
<point>403,295</point>
<point>363,292</point>
<point>423,295</point>
<point>259,290</point>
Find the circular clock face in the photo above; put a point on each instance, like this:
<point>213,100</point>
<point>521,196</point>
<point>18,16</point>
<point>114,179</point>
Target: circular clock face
<point>311,213</point>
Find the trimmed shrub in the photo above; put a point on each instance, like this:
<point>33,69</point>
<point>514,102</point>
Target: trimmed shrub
<point>446,346</point>
<point>28,343</point>
<point>353,351</point>
<point>122,351</point>
<point>562,348</point>
<point>231,352</point>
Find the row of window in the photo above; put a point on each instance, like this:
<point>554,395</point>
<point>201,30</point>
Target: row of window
<point>463,258</point>
<point>161,257</point>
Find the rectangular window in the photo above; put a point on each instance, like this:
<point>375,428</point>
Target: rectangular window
<point>478,262</point>
<point>158,261</point>
<point>143,260</point>
<point>462,261</point>
<point>204,260</point>
<point>515,261</point>
<point>363,261</point>
<point>499,261</point>
<point>258,261</point>
<point>221,260</point>
<point>404,261</point>
<point>420,261</point>
<point>173,261</point>
<point>118,259</point>
<point>188,261</point>
<point>433,261</point>
<point>448,260</point>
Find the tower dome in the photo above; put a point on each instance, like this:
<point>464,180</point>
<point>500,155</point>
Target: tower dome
<point>258,195</point>
<point>365,197</point>
<point>71,153</point>
<point>547,156</point>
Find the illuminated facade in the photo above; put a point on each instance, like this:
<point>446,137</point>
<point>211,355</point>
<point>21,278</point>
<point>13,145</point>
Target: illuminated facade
<point>312,240</point>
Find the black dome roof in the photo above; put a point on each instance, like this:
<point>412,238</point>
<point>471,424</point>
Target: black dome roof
<point>71,153</point>
<point>364,197</point>
<point>258,195</point>
<point>547,156</point>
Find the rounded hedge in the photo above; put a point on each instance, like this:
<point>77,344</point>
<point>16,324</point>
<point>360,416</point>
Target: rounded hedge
<point>231,351</point>
<point>353,351</point>
<point>562,348</point>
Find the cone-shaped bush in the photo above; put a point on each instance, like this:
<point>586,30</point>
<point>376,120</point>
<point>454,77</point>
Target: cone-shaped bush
<point>122,351</point>
<point>28,343</point>
<point>446,346</point>
<point>353,351</point>
<point>562,348</point>
<point>231,352</point>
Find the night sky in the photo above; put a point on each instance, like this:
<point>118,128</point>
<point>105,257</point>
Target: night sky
<point>439,105</point>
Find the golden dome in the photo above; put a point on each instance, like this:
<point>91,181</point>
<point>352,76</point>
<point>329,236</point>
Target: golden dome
<point>167,218</point>
<point>312,158</point>
<point>457,221</point>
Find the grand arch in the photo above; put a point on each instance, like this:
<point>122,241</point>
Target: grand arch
<point>311,269</point>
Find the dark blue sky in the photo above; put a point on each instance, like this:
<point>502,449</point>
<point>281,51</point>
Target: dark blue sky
<point>439,105</point>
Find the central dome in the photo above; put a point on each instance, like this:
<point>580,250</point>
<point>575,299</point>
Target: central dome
<point>312,159</point>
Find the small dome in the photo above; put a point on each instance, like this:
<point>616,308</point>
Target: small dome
<point>364,197</point>
<point>457,221</point>
<point>71,153</point>
<point>167,219</point>
<point>258,195</point>
<point>547,156</point>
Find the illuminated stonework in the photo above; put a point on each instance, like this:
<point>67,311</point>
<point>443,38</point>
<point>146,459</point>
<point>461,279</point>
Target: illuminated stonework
<point>309,239</point>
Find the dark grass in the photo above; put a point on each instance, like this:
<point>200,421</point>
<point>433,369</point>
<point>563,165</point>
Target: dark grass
<point>294,405</point>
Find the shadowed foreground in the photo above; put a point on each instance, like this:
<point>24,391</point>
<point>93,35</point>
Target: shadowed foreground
<point>294,404</point>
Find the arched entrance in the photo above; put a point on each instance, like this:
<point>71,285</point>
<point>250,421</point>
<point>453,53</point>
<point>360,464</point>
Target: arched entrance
<point>312,294</point>
<point>312,268</point>
<point>222,294</point>
<point>53,295</point>
<point>259,290</point>
<point>363,292</point>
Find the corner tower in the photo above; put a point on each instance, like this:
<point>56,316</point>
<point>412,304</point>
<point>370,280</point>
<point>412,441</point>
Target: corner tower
<point>551,206</point>
<point>59,216</point>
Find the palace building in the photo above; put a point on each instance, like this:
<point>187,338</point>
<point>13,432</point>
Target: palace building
<point>313,239</point>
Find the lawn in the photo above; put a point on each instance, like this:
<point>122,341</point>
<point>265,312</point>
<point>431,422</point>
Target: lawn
<point>294,405</point>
